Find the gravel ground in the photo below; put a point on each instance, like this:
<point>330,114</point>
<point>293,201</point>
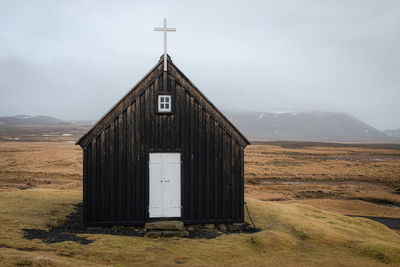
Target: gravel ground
<point>73,226</point>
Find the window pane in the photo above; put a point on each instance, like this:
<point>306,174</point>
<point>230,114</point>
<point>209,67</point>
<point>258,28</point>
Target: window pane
<point>167,106</point>
<point>167,99</point>
<point>162,99</point>
<point>162,106</point>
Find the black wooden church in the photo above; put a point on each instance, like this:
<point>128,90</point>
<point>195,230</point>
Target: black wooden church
<point>163,151</point>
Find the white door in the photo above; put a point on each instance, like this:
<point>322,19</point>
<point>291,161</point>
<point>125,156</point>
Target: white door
<point>165,185</point>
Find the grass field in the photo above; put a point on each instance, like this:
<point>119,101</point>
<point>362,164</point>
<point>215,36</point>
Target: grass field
<point>296,192</point>
<point>292,235</point>
<point>359,179</point>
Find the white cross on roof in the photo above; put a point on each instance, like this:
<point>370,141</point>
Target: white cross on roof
<point>165,30</point>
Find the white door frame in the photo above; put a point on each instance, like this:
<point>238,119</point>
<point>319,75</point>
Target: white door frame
<point>165,185</point>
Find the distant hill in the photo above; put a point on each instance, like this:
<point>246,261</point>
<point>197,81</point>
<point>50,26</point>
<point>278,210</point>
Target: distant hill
<point>31,120</point>
<point>302,126</point>
<point>394,133</point>
<point>40,128</point>
<point>306,126</point>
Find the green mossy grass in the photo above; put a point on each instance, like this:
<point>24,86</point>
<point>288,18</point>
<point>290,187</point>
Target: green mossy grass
<point>292,235</point>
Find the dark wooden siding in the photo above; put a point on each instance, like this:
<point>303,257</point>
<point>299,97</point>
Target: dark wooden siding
<point>116,161</point>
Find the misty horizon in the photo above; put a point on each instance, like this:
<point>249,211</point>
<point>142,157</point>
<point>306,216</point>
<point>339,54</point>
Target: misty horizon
<point>74,61</point>
<point>226,112</point>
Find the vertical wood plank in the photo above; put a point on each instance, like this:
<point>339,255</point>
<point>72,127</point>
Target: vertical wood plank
<point>212,169</point>
<point>237,181</point>
<point>133,163</point>
<point>165,81</point>
<point>128,167</point>
<point>120,167</point>
<point>147,130</point>
<point>94,180</point>
<point>234,184</point>
<point>229,176</point>
<point>207,166</point>
<point>169,81</point>
<point>241,183</point>
<point>117,181</point>
<point>192,159</point>
<point>200,160</point>
<point>173,116</point>
<point>143,161</point>
<point>98,178</point>
<point>169,131</point>
<point>89,182</point>
<point>108,174</point>
<point>111,172</point>
<point>161,131</point>
<point>165,131</point>
<point>180,94</point>
<point>85,181</point>
<point>137,158</point>
<point>177,115</point>
<point>186,145</point>
<point>224,172</point>
<point>159,83</point>
<point>157,129</point>
<point>124,167</point>
<point>132,176</point>
<point>140,156</point>
<point>102,177</point>
<point>217,175</point>
<point>151,111</point>
<point>196,159</point>
<point>155,118</point>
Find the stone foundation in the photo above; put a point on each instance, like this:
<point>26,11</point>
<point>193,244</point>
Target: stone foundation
<point>166,229</point>
<point>178,229</point>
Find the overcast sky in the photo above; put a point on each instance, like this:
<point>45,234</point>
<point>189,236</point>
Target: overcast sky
<point>76,59</point>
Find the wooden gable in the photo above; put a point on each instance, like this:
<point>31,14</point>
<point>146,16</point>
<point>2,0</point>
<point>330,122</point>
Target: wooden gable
<point>157,75</point>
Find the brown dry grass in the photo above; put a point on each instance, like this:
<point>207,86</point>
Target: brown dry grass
<point>334,177</point>
<point>376,165</point>
<point>43,164</point>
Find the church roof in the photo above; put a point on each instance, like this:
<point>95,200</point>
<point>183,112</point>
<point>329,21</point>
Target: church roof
<point>142,85</point>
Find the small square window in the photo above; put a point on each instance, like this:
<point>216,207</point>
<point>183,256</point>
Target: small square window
<point>164,103</point>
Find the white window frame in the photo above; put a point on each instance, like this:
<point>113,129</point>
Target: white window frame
<point>164,103</point>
